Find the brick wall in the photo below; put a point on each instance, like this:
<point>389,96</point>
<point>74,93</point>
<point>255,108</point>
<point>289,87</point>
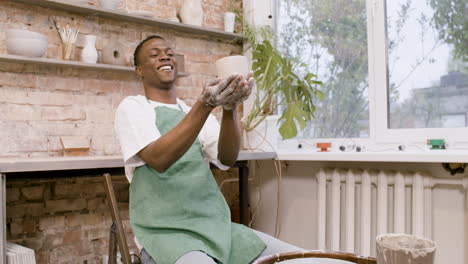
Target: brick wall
<point>39,104</point>
<point>66,219</point>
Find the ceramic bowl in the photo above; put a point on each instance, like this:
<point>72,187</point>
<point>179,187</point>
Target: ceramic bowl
<point>27,47</point>
<point>231,65</point>
<point>24,34</point>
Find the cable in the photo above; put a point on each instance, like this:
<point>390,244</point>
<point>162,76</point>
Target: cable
<point>278,223</point>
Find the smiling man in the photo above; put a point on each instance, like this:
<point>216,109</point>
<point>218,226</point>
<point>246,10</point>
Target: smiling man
<point>177,212</point>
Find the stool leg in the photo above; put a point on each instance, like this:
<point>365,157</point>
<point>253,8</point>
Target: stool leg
<point>113,244</point>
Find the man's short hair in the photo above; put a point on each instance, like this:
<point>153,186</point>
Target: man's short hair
<point>137,49</point>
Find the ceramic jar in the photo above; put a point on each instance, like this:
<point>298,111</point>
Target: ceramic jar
<point>114,54</point>
<point>89,53</point>
<point>192,12</point>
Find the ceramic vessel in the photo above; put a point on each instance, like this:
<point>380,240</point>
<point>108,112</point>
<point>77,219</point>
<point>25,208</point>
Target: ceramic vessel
<point>114,54</point>
<point>24,34</point>
<point>264,137</point>
<point>231,65</point>
<point>192,12</point>
<point>229,21</point>
<point>404,249</point>
<point>89,53</point>
<point>26,47</point>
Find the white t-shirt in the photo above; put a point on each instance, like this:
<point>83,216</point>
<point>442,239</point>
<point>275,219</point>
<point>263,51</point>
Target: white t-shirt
<point>135,128</point>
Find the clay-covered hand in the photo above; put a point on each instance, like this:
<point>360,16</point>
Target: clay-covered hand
<point>221,91</point>
<point>246,89</point>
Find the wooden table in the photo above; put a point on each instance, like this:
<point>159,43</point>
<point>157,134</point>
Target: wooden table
<point>16,165</point>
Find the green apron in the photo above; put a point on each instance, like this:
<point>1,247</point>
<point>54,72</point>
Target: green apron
<point>182,209</point>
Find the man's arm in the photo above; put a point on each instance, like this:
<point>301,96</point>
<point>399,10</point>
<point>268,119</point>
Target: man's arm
<point>229,138</point>
<point>166,150</point>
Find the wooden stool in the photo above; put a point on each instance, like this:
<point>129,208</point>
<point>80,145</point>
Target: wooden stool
<point>316,254</point>
<point>117,232</point>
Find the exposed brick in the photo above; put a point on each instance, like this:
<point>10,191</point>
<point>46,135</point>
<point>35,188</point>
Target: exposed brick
<point>72,237</point>
<point>97,233</point>
<point>12,194</point>
<point>16,228</point>
<point>21,144</point>
<point>74,220</point>
<point>53,113</point>
<point>33,243</point>
<point>202,68</point>
<point>97,204</point>
<point>52,222</point>
<point>65,205</point>
<point>26,209</point>
<point>51,240</point>
<point>23,112</point>
<point>33,192</point>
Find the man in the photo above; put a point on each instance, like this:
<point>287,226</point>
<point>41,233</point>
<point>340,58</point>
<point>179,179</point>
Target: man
<point>177,212</point>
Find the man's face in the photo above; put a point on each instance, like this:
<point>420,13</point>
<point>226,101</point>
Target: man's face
<point>158,65</point>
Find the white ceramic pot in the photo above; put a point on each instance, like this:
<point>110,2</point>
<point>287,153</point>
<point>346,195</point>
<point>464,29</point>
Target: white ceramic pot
<point>192,12</point>
<point>229,21</point>
<point>27,47</point>
<point>89,53</point>
<point>110,4</point>
<point>231,65</point>
<point>264,137</point>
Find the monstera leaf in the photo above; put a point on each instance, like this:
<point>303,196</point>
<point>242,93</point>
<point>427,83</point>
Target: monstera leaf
<point>279,84</point>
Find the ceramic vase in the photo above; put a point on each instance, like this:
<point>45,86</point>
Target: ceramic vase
<point>229,21</point>
<point>192,12</point>
<point>89,53</point>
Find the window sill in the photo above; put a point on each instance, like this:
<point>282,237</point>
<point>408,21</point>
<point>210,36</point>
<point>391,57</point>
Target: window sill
<point>431,156</point>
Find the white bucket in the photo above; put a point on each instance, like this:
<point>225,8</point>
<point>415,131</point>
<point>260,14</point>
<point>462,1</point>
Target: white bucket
<point>404,249</point>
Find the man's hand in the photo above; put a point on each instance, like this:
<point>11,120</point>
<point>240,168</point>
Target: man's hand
<point>223,91</point>
<point>246,87</point>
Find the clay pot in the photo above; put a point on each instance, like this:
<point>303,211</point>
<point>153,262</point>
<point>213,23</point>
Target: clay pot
<point>231,65</point>
<point>114,54</point>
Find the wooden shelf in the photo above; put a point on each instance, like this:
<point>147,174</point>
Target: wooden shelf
<point>75,64</point>
<point>90,162</point>
<point>122,16</point>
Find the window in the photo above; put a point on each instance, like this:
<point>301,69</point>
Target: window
<point>330,37</point>
<point>392,69</point>
<point>427,80</point>
<point>425,72</point>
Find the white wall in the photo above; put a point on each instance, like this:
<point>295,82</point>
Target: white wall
<point>298,204</point>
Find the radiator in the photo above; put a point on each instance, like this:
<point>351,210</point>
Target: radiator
<point>354,206</point>
<point>16,254</point>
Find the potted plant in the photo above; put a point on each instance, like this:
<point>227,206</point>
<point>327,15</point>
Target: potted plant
<point>279,83</point>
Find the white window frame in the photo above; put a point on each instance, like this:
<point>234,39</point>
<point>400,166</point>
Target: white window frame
<point>379,133</point>
<point>378,86</point>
